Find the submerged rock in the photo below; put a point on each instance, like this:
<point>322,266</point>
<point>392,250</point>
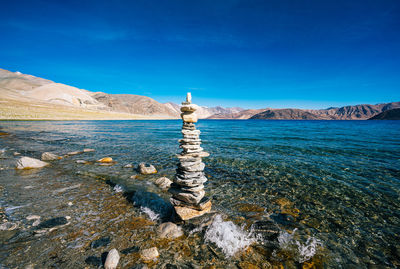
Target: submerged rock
<point>163,182</point>
<point>88,150</point>
<point>147,169</point>
<point>74,153</point>
<point>112,259</point>
<point>28,163</point>
<point>53,222</point>
<point>104,241</point>
<point>80,161</point>
<point>48,156</point>
<point>129,165</point>
<point>8,226</point>
<point>169,230</point>
<point>149,254</point>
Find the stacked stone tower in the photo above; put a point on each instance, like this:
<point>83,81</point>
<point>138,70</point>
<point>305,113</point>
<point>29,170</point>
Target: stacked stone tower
<point>187,188</point>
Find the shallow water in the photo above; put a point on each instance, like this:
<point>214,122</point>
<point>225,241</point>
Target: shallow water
<point>330,189</point>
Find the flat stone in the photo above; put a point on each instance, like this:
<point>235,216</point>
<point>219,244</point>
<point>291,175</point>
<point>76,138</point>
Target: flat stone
<point>129,165</point>
<point>30,163</point>
<point>203,204</point>
<point>187,158</point>
<point>202,154</point>
<point>147,169</point>
<point>112,259</point>
<point>185,163</point>
<point>193,168</point>
<point>190,132</point>
<point>169,230</point>
<point>149,254</point>
<point>80,161</point>
<point>188,175</point>
<point>88,150</point>
<point>48,156</point>
<point>53,222</point>
<point>190,182</point>
<point>74,153</point>
<point>190,147</point>
<point>188,197</point>
<point>163,182</point>
<point>193,189</point>
<point>189,108</point>
<point>33,217</point>
<point>186,213</point>
<point>101,242</point>
<point>189,117</point>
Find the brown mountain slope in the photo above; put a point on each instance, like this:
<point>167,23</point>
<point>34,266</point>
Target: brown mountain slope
<point>357,112</point>
<point>242,115</point>
<point>392,114</point>
<point>134,104</point>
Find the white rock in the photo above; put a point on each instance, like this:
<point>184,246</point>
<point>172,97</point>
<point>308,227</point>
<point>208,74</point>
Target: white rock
<point>112,259</point>
<point>146,169</point>
<point>129,165</point>
<point>70,204</point>
<point>80,161</point>
<point>27,163</point>
<point>48,156</point>
<point>32,217</point>
<point>169,230</point>
<point>16,153</point>
<point>8,226</point>
<point>149,254</point>
<point>163,182</point>
<point>88,150</point>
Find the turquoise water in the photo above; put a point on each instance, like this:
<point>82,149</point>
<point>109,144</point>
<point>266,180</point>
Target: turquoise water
<point>332,187</point>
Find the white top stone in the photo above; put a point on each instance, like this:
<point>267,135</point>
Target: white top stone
<point>189,97</point>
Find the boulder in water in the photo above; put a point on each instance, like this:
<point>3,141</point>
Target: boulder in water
<point>147,169</point>
<point>169,230</point>
<point>29,163</point>
<point>163,182</point>
<point>149,254</point>
<point>48,156</point>
<point>112,259</point>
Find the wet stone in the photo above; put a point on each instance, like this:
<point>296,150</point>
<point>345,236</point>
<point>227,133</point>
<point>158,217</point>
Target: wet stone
<point>149,254</point>
<point>48,156</point>
<point>169,230</point>
<point>112,259</point>
<point>53,222</point>
<point>147,169</point>
<point>102,242</point>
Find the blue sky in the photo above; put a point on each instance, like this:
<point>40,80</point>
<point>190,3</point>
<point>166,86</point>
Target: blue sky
<point>253,54</point>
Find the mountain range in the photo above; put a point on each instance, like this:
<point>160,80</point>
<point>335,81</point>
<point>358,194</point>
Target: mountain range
<point>28,97</point>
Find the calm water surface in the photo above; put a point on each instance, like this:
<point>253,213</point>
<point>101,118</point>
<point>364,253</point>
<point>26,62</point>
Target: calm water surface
<point>331,188</point>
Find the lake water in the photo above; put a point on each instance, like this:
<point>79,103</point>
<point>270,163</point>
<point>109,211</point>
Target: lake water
<point>325,194</point>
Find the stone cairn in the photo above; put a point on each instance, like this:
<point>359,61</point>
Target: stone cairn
<point>187,188</point>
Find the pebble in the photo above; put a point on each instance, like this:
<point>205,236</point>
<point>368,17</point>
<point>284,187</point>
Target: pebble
<point>169,230</point>
<point>88,150</point>
<point>101,242</point>
<point>105,160</point>
<point>16,153</point>
<point>48,156</point>
<point>80,161</point>
<point>147,169</point>
<point>74,153</point>
<point>133,177</point>
<point>149,254</point>
<point>33,217</point>
<point>129,165</point>
<point>27,163</point>
<point>112,259</point>
<point>70,204</point>
<point>53,222</point>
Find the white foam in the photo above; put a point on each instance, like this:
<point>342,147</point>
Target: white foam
<point>227,236</point>
<point>118,188</point>
<point>152,215</point>
<point>303,251</point>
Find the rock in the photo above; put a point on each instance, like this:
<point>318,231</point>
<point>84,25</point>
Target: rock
<point>186,213</point>
<point>188,197</point>
<point>48,156</point>
<point>29,163</point>
<point>147,169</point>
<point>105,160</point>
<point>80,161</point>
<point>16,153</point>
<point>133,177</point>
<point>88,150</point>
<point>53,222</point>
<point>189,117</point>
<point>194,168</point>
<point>169,230</point>
<point>163,182</point>
<point>101,242</point>
<point>203,204</point>
<point>189,108</point>
<point>149,254</point>
<point>74,153</point>
<point>36,223</point>
<point>33,217</point>
<point>8,226</point>
<point>70,204</point>
<point>129,165</point>
<point>112,259</point>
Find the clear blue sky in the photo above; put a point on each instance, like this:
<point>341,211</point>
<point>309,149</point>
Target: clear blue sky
<point>254,54</point>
